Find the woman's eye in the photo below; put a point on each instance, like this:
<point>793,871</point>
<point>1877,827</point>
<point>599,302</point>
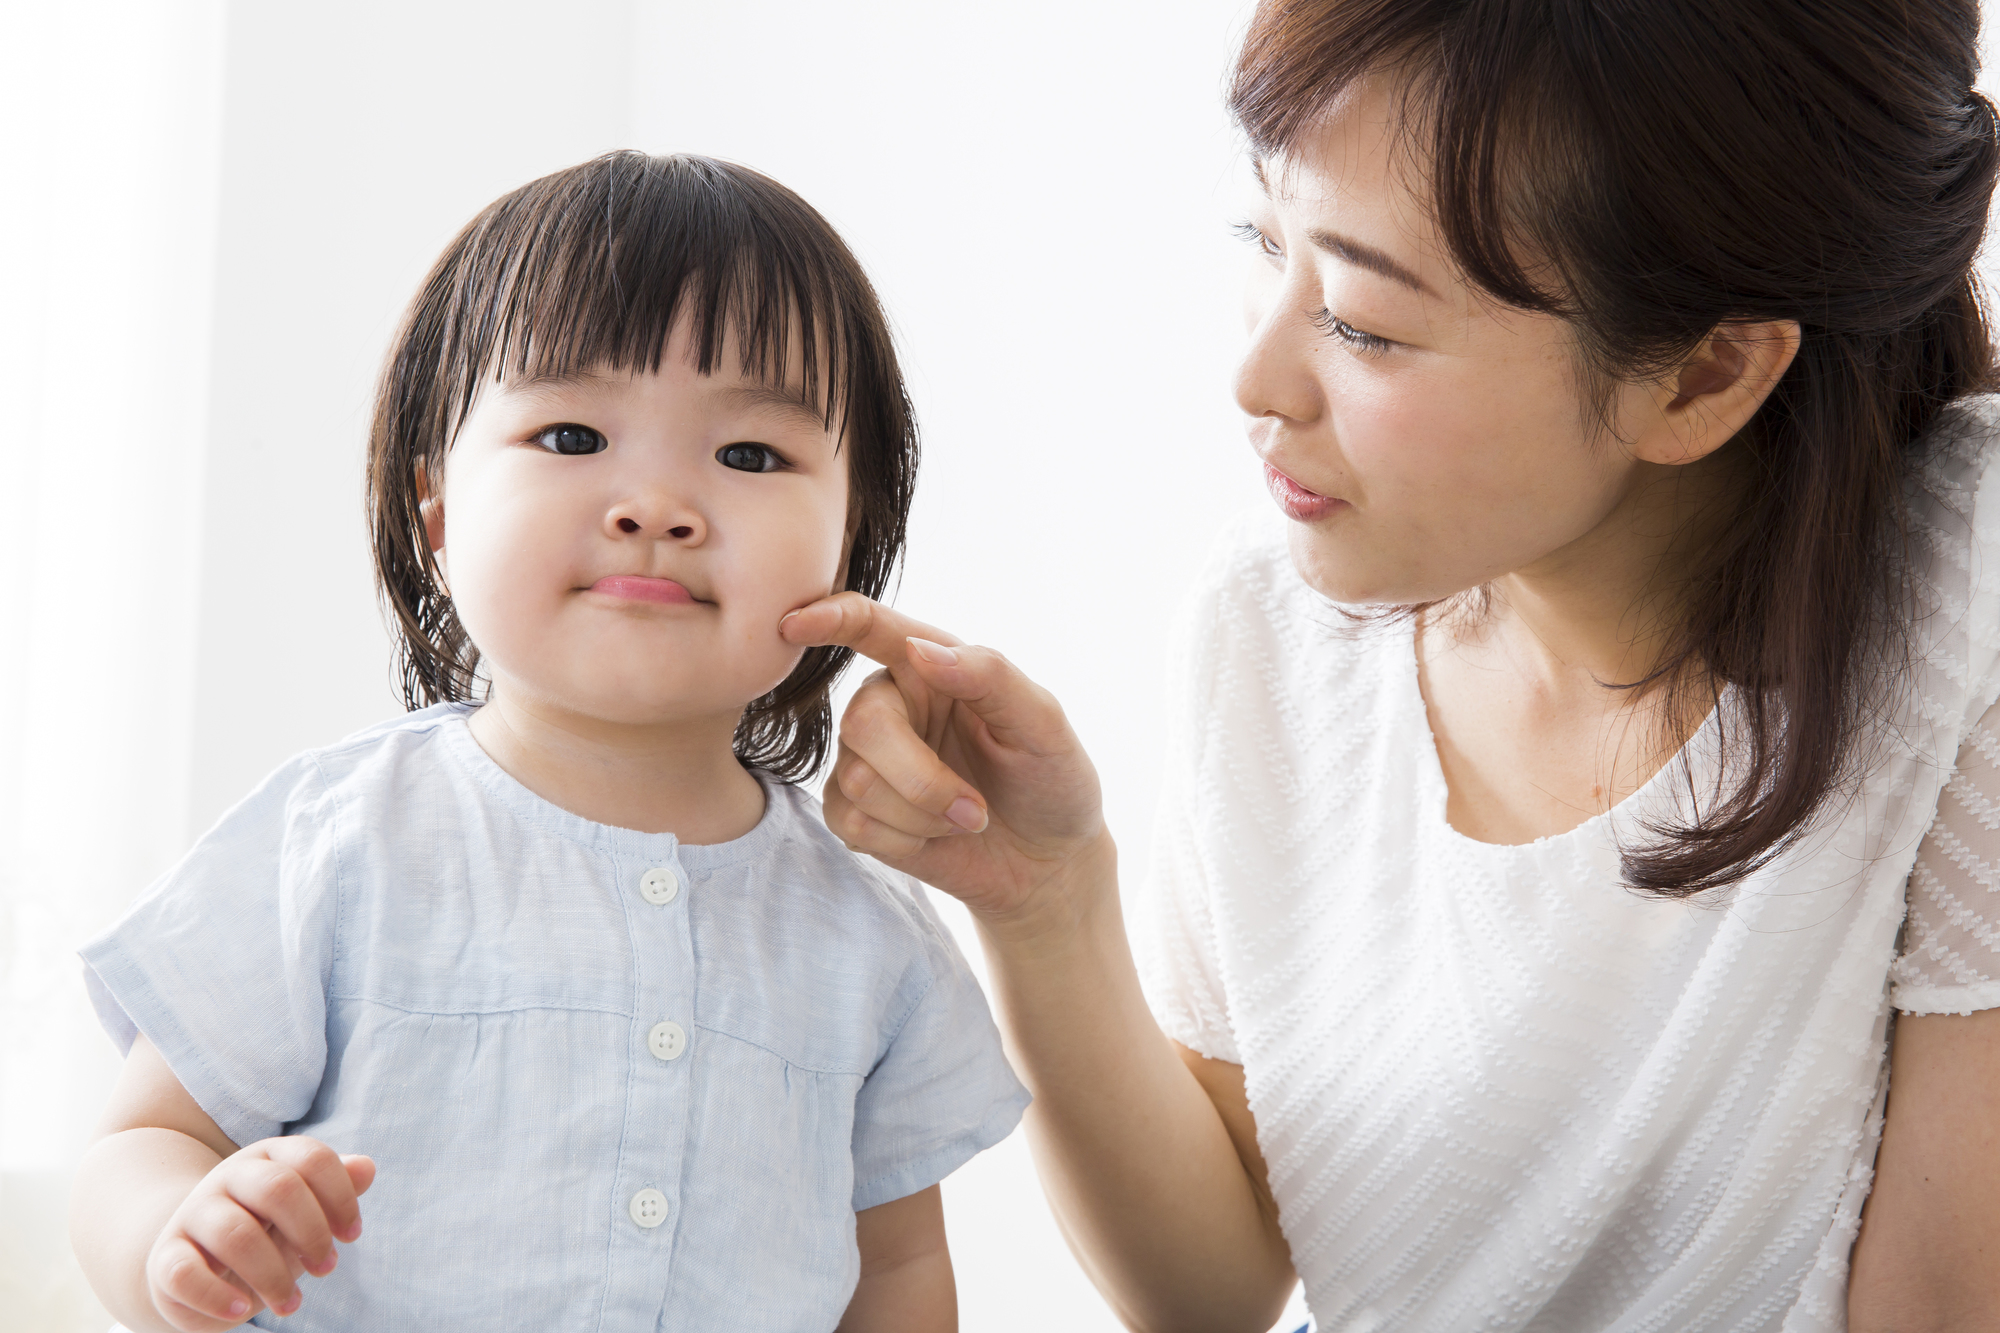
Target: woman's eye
<point>749,457</point>
<point>1254,234</point>
<point>571,439</point>
<point>1336,327</point>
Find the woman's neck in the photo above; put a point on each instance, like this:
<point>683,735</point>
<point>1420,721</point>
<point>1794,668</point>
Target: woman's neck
<point>680,777</point>
<point>1530,739</point>
<point>1609,607</point>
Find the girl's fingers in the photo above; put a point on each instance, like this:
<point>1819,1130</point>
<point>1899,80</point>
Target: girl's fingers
<point>237,1240</point>
<point>331,1179</point>
<point>189,1292</point>
<point>282,1197</point>
<point>876,728</point>
<point>360,1174</point>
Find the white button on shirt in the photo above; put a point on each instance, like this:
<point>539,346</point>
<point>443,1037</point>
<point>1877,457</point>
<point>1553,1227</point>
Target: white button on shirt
<point>667,1040</point>
<point>649,1208</point>
<point>660,885</point>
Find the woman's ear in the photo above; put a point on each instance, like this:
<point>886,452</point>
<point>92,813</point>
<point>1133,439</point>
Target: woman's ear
<point>1716,389</point>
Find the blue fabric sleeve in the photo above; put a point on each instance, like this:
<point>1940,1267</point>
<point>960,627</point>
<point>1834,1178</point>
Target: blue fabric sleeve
<point>224,962</point>
<point>944,1092</point>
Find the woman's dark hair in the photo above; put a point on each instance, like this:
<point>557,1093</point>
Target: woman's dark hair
<point>1649,171</point>
<point>591,267</point>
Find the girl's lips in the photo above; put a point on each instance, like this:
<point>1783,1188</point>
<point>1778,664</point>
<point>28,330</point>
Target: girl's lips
<point>1298,503</point>
<point>634,588</point>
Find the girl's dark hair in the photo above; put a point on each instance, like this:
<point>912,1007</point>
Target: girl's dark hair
<point>1649,171</point>
<point>590,268</point>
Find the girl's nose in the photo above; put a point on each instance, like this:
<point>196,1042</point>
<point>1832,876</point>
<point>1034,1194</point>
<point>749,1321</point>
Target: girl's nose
<point>659,517</point>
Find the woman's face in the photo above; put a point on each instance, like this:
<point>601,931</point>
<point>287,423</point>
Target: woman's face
<point>1422,440</point>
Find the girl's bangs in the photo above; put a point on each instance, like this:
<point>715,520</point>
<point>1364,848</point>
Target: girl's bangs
<point>594,270</point>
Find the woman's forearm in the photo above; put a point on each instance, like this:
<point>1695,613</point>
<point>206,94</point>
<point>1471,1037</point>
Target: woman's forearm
<point>127,1187</point>
<point>1137,1161</point>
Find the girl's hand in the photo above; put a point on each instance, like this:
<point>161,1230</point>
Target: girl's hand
<point>238,1243</point>
<point>956,768</point>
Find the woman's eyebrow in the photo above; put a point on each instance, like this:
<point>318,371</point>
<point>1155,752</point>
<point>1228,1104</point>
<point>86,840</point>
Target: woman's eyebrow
<point>1368,257</point>
<point>1353,251</point>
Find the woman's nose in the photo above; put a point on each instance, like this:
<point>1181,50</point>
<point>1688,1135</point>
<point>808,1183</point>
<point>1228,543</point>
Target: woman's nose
<point>1275,377</point>
<point>660,516</point>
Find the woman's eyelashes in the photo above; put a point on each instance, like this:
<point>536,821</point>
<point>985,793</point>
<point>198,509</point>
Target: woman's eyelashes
<point>570,438</point>
<point>1324,318</point>
<point>745,456</point>
<point>1255,235</point>
<point>1336,327</point>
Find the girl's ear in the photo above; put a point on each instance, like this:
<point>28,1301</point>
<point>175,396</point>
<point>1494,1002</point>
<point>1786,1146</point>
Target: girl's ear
<point>1715,391</point>
<point>433,516</point>
<point>430,506</point>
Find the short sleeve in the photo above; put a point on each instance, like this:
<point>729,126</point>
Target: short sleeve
<point>1950,961</point>
<point>224,962</point>
<point>1179,965</point>
<point>943,1092</point>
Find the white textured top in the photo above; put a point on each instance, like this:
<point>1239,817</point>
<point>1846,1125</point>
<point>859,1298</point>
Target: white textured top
<point>1496,1089</point>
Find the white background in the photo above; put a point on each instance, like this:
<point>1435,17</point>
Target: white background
<point>215,212</point>
<point>218,210</point>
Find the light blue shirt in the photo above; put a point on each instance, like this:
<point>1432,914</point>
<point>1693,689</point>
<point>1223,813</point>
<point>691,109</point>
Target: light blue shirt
<point>610,1082</point>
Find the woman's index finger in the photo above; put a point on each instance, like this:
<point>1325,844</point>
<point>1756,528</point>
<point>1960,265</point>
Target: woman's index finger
<point>852,621</point>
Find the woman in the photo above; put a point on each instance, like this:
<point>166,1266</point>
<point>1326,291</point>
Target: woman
<point>1530,877</point>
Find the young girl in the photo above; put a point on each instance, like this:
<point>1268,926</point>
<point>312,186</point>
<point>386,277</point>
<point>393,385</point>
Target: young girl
<point>560,969</point>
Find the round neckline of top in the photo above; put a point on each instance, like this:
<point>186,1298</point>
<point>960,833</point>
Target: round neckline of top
<point>1599,829</point>
<point>546,816</point>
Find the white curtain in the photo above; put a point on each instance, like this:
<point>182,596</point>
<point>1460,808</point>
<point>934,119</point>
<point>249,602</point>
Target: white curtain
<point>109,152</point>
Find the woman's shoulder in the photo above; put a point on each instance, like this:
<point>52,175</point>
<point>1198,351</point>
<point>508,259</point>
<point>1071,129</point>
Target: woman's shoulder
<point>1953,535</point>
<point>1251,628</point>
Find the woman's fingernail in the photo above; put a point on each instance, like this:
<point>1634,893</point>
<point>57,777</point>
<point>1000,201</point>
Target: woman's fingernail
<point>238,1308</point>
<point>785,620</point>
<point>933,652</point>
<point>966,812</point>
<point>352,1233</point>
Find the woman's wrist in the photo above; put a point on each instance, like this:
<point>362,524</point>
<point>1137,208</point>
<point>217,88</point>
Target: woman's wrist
<point>1076,899</point>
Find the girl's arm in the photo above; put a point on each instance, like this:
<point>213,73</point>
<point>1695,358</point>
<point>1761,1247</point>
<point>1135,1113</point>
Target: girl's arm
<point>179,1231</point>
<point>957,769</point>
<point>1928,1258</point>
<point>906,1281</point>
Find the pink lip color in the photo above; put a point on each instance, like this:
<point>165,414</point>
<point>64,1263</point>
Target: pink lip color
<point>1298,503</point>
<point>631,586</point>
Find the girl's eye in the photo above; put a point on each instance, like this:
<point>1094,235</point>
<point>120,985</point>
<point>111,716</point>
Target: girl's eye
<point>746,457</point>
<point>570,438</point>
<point>1336,327</point>
<point>1254,234</point>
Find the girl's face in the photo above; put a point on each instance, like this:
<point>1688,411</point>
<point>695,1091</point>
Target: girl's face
<point>622,546</point>
<point>1422,440</point>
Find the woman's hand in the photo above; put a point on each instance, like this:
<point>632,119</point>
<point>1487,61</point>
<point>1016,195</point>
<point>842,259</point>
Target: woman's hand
<point>956,768</point>
<point>239,1241</point>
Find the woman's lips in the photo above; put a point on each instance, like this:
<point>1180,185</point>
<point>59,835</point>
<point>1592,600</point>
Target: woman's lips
<point>1298,502</point>
<point>634,588</point>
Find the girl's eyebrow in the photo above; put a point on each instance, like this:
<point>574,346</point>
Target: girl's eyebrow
<point>786,400</point>
<point>555,381</point>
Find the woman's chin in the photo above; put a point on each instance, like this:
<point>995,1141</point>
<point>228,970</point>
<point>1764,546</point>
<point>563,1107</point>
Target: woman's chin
<point>1342,576</point>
